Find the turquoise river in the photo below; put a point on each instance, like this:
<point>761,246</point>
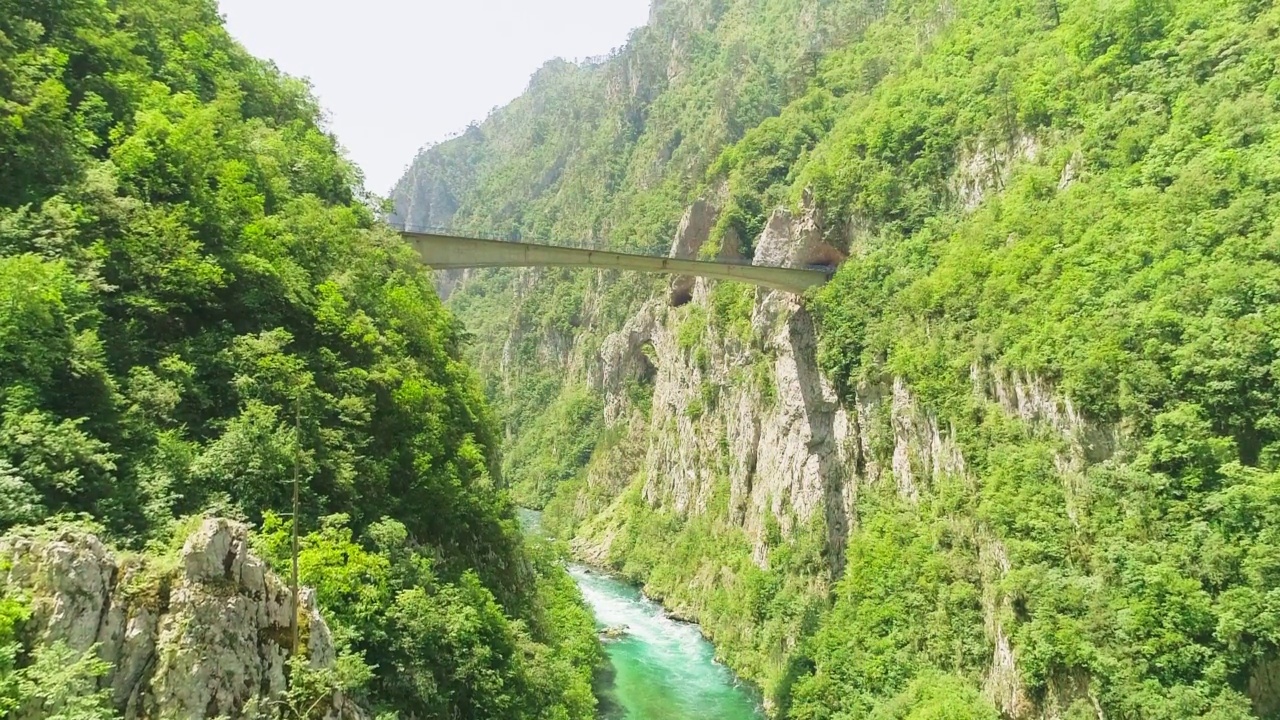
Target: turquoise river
<point>663,669</point>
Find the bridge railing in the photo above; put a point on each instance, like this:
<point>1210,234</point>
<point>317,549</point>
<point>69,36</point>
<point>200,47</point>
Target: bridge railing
<point>575,243</point>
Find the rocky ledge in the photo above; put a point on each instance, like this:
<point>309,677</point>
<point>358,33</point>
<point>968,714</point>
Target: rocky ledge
<point>205,634</point>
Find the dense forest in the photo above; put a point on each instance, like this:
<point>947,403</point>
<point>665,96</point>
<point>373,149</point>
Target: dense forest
<point>1078,200</point>
<point>197,300</point>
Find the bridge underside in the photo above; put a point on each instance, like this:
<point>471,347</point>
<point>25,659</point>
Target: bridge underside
<point>445,252</point>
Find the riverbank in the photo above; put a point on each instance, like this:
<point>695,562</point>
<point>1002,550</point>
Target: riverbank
<point>661,667</point>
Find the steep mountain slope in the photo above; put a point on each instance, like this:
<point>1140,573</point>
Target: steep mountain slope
<point>197,306</point>
<point>1021,456</point>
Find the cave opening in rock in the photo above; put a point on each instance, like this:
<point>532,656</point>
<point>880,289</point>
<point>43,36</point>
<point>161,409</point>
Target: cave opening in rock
<point>681,292</point>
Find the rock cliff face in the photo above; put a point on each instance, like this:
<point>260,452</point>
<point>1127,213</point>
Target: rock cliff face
<point>205,635</point>
<point>750,404</point>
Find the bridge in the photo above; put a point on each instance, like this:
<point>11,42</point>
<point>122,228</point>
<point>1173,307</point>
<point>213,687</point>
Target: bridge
<point>450,252</point>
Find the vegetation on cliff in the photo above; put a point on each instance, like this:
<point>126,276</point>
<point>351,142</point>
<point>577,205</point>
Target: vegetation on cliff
<point>197,301</point>
<point>1081,194</point>
<point>1132,264</point>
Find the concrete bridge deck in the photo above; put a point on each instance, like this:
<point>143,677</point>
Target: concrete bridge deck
<point>448,252</point>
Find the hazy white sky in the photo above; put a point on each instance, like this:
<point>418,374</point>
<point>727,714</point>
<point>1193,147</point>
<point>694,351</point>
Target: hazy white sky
<point>395,75</point>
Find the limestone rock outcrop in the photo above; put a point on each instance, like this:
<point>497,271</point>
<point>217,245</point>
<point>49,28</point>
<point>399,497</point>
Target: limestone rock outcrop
<point>691,235</point>
<point>796,241</point>
<point>205,634</point>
